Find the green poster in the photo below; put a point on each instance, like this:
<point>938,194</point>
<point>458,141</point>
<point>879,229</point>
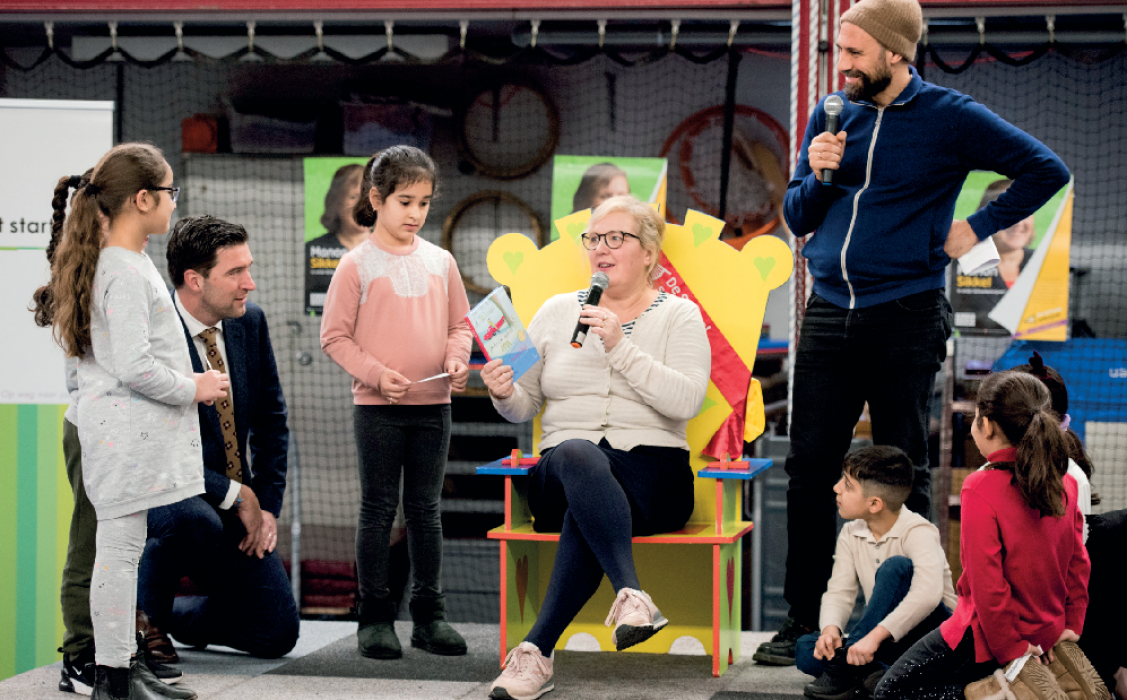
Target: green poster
<point>330,183</point>
<point>645,178</point>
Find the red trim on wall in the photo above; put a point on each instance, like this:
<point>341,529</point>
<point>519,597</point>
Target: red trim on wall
<point>374,5</point>
<point>207,6</point>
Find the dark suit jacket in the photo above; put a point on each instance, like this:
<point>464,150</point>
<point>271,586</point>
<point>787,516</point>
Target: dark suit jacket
<point>260,413</point>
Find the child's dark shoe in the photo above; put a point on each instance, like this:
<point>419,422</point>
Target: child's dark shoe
<point>839,681</point>
<point>375,636</point>
<point>432,633</point>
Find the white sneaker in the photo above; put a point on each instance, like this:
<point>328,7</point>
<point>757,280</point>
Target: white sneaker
<point>635,618</point>
<point>527,674</point>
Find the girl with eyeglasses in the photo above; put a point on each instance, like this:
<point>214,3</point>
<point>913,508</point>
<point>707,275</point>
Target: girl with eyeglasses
<point>137,394</point>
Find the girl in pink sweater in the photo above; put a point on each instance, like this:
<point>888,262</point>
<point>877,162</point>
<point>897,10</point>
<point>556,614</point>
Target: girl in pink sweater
<point>394,315</point>
<point>1025,568</point>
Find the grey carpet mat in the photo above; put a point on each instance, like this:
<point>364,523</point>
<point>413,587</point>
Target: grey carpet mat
<point>341,659</point>
<point>734,695</point>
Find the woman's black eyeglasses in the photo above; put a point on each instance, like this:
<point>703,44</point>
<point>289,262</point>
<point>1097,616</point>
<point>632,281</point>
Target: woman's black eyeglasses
<point>174,190</point>
<point>613,239</point>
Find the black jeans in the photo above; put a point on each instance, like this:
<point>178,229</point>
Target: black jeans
<point>1107,611</point>
<point>248,604</point>
<point>412,442</point>
<point>931,670</point>
<point>886,355</point>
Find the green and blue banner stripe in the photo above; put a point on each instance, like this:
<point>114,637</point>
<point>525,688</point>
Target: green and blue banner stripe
<point>35,507</point>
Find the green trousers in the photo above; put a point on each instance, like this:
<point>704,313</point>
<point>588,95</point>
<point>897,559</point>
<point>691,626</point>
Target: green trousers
<point>75,593</point>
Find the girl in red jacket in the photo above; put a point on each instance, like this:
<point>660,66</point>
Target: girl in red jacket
<point>1024,586</point>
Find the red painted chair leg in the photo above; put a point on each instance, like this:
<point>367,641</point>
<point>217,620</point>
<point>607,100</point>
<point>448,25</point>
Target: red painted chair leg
<point>504,600</point>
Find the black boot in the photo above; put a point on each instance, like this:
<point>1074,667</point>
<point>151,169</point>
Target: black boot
<point>840,681</point>
<point>146,685</point>
<point>164,672</point>
<point>110,683</point>
<point>376,634</point>
<point>431,632</point>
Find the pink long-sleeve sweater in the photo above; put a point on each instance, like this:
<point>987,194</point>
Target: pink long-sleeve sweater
<point>399,310</point>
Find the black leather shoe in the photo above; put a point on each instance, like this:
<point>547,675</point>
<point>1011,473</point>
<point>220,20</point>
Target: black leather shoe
<point>164,672</point>
<point>780,650</point>
<point>143,678</point>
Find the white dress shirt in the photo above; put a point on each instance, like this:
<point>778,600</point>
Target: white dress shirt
<point>195,328</point>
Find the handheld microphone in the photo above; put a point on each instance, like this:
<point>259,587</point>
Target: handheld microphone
<point>833,106</point>
<point>599,282</point>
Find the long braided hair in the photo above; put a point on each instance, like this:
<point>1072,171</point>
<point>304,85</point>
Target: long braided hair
<point>41,301</point>
<point>77,238</point>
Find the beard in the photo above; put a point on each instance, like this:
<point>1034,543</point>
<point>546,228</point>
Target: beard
<point>869,86</point>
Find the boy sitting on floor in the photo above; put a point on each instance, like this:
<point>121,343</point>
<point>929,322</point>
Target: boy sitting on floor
<point>895,556</point>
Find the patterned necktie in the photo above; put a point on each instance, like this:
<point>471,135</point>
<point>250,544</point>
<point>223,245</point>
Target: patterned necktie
<point>226,410</point>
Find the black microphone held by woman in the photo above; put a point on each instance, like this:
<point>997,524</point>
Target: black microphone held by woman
<point>599,282</point>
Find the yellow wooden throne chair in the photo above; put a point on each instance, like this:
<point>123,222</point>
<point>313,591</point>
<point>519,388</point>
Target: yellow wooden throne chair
<point>694,574</point>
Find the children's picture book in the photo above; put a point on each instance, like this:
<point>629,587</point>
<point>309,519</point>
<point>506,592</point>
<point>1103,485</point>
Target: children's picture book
<point>500,333</point>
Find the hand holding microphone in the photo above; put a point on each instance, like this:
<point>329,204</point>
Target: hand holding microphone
<point>825,150</point>
<point>599,282</point>
<point>604,323</point>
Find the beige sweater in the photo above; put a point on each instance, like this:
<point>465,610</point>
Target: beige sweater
<point>858,557</point>
<point>643,392</point>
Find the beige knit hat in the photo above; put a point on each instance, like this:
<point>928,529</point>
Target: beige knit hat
<point>896,24</point>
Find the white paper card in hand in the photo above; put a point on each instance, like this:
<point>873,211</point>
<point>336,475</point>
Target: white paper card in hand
<point>983,256</point>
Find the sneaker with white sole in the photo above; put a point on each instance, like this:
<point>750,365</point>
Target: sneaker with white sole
<point>78,673</point>
<point>527,674</point>
<point>635,618</point>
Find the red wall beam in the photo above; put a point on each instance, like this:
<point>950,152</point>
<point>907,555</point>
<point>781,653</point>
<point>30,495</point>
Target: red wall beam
<point>220,6</point>
<point>377,5</point>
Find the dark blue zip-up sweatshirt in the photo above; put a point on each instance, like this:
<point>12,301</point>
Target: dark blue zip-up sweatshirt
<point>879,229</point>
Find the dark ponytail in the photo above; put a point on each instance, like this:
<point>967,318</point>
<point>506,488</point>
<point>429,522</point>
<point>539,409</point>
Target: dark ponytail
<point>388,171</point>
<point>1058,390</point>
<point>1020,406</point>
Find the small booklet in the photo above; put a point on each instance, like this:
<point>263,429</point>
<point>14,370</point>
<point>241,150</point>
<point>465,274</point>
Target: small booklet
<point>500,333</point>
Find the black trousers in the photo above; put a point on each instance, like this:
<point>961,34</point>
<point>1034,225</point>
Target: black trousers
<point>1102,641</point>
<point>887,355</point>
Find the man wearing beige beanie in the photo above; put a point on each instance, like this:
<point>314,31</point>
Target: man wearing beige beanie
<point>879,239</point>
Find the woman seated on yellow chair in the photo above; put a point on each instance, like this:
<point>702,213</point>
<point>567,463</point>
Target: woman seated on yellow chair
<point>614,460</point>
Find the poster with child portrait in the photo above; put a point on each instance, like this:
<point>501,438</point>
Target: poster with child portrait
<point>584,182</point>
<point>1026,295</point>
<point>332,186</point>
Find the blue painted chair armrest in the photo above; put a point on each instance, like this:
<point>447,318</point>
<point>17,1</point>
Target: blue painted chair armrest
<point>755,468</point>
<point>496,467</point>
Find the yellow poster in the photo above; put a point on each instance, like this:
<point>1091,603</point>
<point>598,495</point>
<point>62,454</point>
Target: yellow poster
<point>1036,306</point>
<point>1026,294</point>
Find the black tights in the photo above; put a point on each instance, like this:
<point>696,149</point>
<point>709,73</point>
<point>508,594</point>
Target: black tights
<point>597,497</point>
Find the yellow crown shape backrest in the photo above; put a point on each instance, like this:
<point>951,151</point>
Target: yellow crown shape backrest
<point>730,285</point>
